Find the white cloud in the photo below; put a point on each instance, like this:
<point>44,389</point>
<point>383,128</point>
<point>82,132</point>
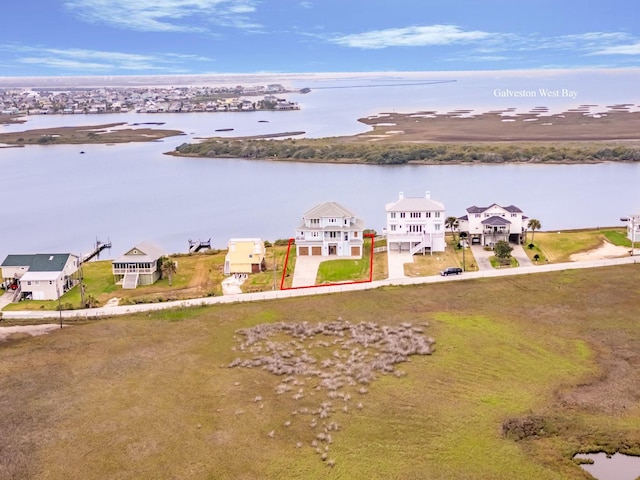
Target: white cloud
<point>633,49</point>
<point>411,37</point>
<point>165,15</point>
<point>97,61</point>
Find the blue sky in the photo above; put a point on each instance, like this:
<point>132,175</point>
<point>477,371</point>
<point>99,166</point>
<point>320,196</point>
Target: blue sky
<point>147,37</point>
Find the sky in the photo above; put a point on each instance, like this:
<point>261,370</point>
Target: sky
<point>165,37</point>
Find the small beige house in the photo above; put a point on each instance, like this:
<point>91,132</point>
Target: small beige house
<point>41,276</point>
<point>245,255</point>
<point>138,266</point>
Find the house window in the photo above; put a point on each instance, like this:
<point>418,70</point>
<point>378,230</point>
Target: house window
<point>402,214</point>
<point>393,215</point>
<point>477,215</point>
<point>315,234</point>
<point>315,221</point>
<point>514,215</point>
<point>393,228</point>
<point>416,214</point>
<point>355,234</point>
<point>415,228</point>
<point>437,214</point>
<point>427,214</point>
<point>346,236</point>
<point>436,227</point>
<point>333,234</point>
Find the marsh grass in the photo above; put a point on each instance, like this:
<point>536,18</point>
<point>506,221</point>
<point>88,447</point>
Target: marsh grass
<point>151,396</point>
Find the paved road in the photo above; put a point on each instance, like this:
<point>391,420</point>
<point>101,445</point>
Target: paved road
<point>279,294</point>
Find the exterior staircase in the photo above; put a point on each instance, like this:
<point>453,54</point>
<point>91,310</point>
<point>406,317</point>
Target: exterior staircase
<point>130,280</point>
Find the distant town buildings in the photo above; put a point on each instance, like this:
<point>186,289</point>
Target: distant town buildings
<point>144,100</point>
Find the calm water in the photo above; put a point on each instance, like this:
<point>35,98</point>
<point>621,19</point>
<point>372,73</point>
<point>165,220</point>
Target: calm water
<point>55,199</point>
<point>615,467</point>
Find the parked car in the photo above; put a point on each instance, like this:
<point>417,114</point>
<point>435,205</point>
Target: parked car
<point>451,271</point>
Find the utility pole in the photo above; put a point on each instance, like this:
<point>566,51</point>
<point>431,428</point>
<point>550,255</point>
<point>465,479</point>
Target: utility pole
<point>59,305</point>
<point>273,249</point>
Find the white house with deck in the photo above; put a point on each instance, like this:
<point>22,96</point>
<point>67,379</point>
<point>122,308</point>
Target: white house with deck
<point>40,276</point>
<point>415,224</point>
<point>487,225</point>
<point>329,229</point>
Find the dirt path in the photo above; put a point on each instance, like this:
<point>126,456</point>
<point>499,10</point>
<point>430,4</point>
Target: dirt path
<point>33,330</point>
<point>200,276</point>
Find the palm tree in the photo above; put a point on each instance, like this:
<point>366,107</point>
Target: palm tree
<point>452,223</point>
<point>534,225</point>
<point>168,268</point>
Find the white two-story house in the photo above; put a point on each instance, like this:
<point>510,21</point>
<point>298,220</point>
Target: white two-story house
<point>415,224</point>
<point>633,227</point>
<point>41,276</point>
<point>487,225</point>
<point>329,229</point>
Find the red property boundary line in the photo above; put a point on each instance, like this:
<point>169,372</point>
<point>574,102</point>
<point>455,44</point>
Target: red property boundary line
<point>286,264</point>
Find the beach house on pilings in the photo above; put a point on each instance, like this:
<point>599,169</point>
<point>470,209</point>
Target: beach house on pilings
<point>415,225</point>
<point>329,229</point>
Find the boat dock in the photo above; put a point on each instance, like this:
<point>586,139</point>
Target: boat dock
<point>199,245</point>
<point>99,246</point>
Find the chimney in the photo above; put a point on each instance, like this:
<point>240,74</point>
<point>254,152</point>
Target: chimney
<point>401,196</point>
<point>427,195</point>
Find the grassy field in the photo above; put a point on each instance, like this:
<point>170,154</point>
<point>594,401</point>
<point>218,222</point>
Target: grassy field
<point>152,396</point>
<point>558,247</point>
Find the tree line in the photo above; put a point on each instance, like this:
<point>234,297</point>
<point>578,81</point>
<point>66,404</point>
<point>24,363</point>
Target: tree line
<point>326,150</point>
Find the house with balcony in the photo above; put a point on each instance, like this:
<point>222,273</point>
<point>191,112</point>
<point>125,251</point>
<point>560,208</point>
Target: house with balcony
<point>41,276</point>
<point>487,225</point>
<point>329,230</point>
<point>633,227</point>
<point>245,255</point>
<point>138,266</point>
<point>415,225</point>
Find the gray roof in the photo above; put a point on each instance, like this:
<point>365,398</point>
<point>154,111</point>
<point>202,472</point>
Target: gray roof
<point>328,209</point>
<point>495,220</point>
<point>415,204</point>
<point>510,208</point>
<point>39,262</point>
<point>146,252</point>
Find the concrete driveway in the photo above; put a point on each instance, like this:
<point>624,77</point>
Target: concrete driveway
<point>306,270</point>
<point>396,262</point>
<point>482,257</point>
<point>519,254</point>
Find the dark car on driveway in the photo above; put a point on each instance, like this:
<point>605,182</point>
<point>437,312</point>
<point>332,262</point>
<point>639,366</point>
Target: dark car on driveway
<point>451,271</point>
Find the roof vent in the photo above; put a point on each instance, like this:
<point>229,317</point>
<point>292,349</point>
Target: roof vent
<point>401,196</point>
<point>427,195</point>
<point>50,257</point>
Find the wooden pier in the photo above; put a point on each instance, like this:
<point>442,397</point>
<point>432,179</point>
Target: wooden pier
<point>199,245</point>
<point>100,246</point>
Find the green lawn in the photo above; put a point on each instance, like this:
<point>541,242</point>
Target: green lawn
<point>341,270</point>
<point>152,396</point>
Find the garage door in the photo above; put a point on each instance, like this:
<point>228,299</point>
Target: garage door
<point>316,250</point>
<point>355,251</point>
<point>304,251</point>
